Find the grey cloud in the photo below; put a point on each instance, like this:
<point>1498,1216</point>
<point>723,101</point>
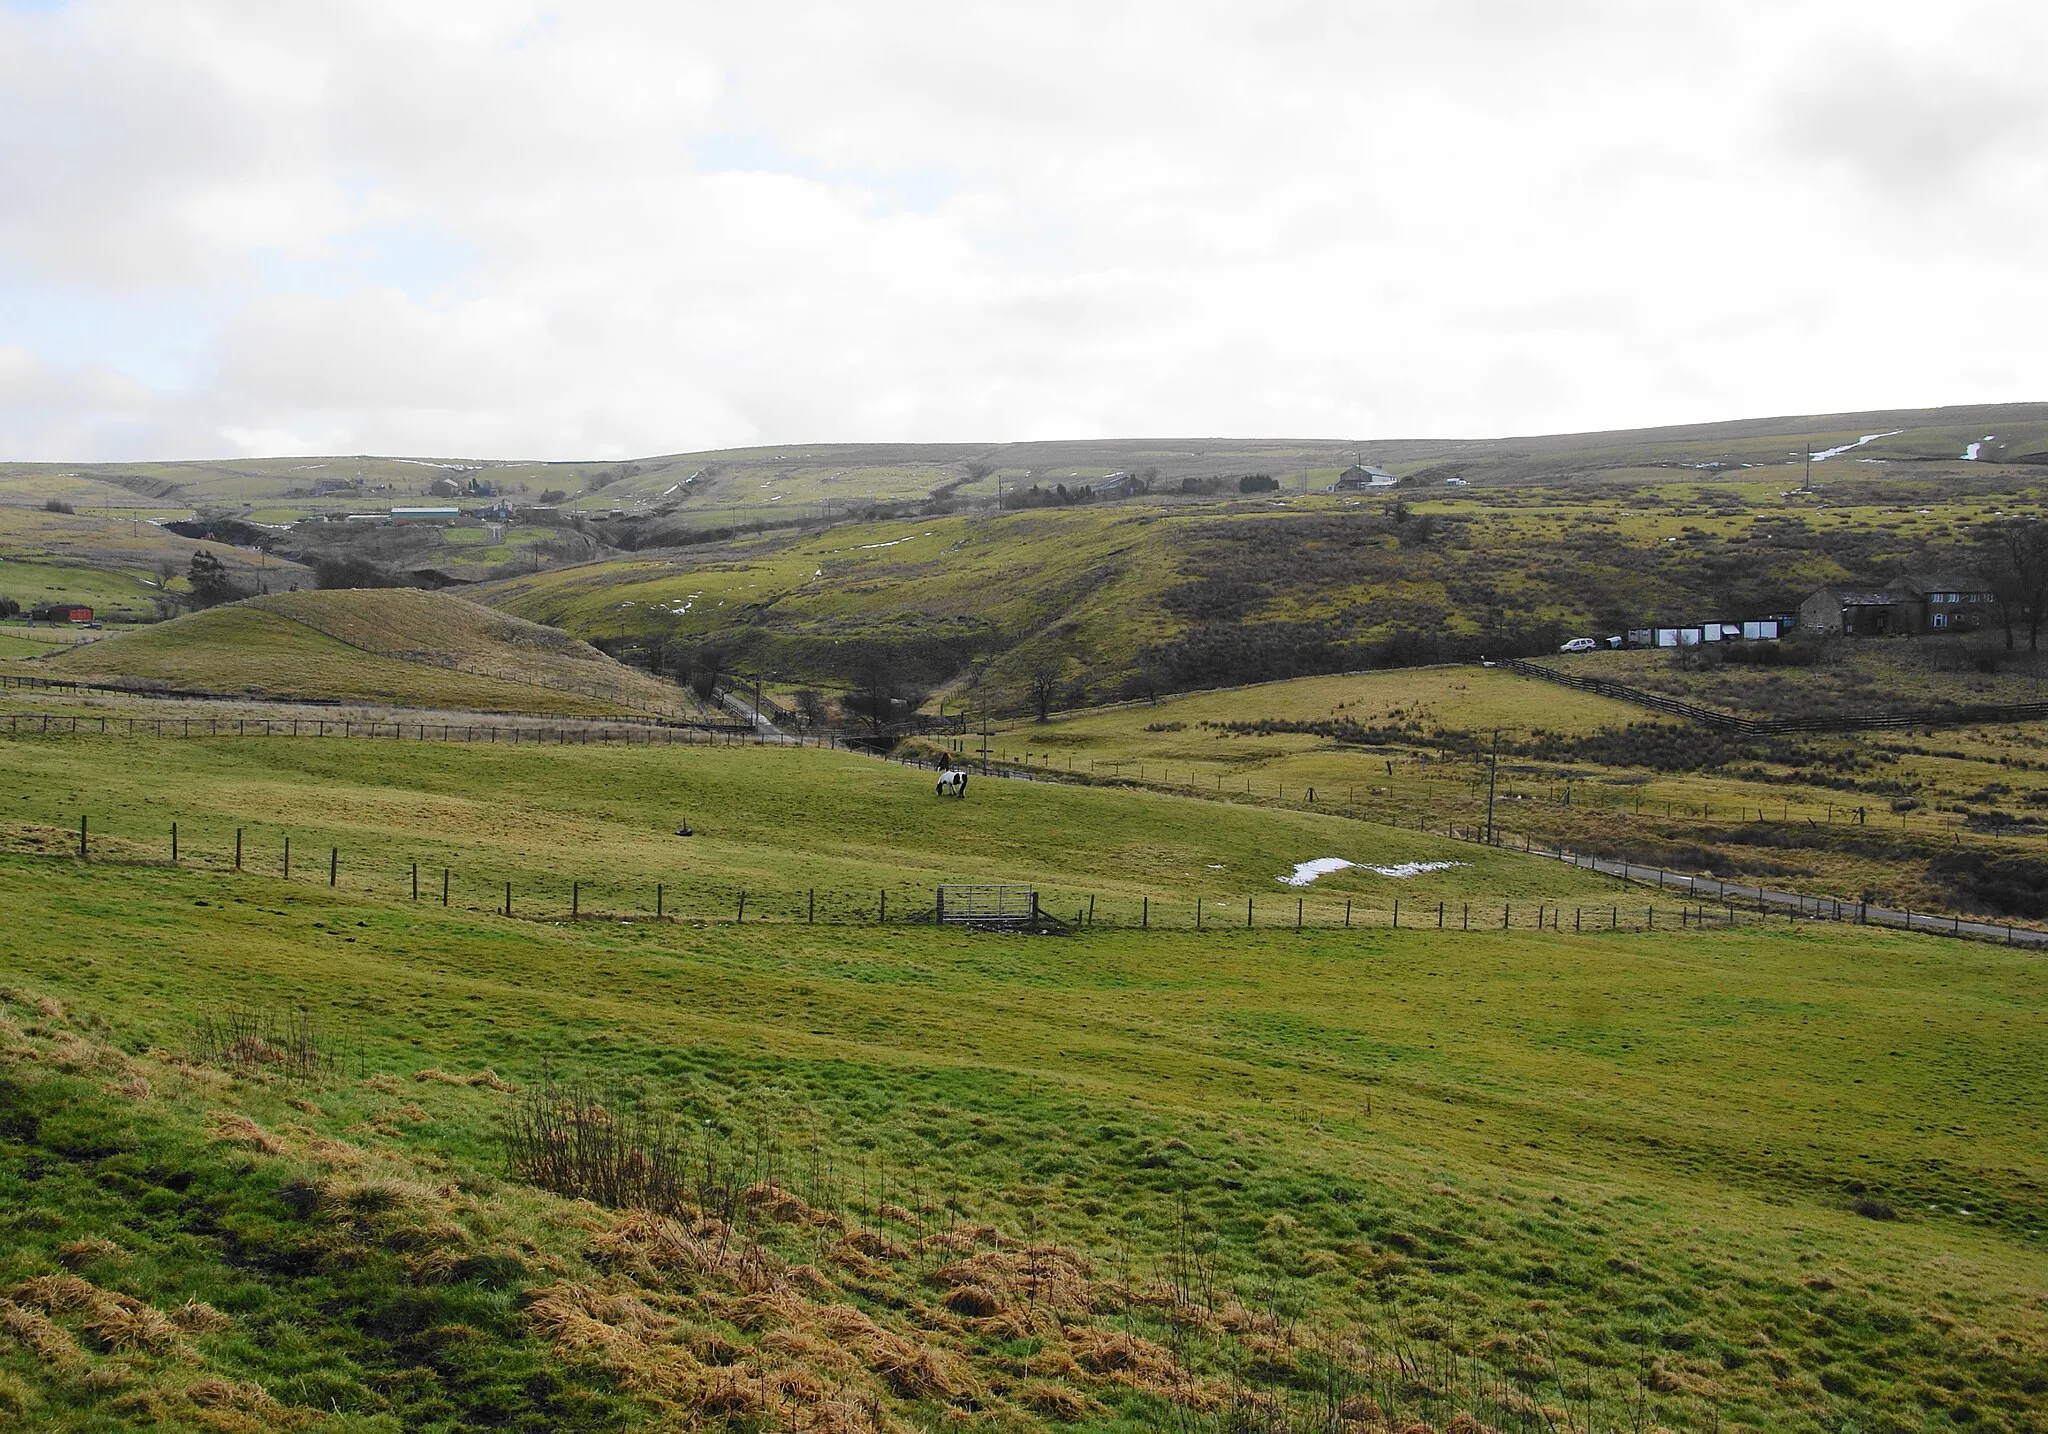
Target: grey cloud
<point>1913,129</point>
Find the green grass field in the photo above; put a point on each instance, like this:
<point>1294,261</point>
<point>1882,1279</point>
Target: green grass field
<point>1596,775</point>
<point>1765,1179</point>
<point>605,816</point>
<point>398,646</point>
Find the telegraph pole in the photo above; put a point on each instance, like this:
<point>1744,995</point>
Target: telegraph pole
<point>1492,770</point>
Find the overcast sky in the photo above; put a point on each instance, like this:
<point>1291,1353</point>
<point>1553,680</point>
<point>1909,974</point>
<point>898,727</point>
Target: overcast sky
<point>614,227</point>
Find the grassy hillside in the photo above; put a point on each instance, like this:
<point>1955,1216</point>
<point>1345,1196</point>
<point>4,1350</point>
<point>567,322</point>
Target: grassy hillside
<point>1943,819</point>
<point>113,562</point>
<point>1144,596</point>
<point>396,646</point>
<point>541,818</point>
<point>823,478</point>
<point>1700,1180</point>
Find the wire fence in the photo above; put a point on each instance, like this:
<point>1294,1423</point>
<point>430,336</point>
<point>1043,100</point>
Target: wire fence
<point>1709,902</point>
<point>459,881</point>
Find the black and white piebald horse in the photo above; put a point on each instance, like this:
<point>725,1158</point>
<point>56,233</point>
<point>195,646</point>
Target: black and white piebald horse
<point>953,783</point>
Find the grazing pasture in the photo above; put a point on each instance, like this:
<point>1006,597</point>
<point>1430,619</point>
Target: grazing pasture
<point>1763,1179</point>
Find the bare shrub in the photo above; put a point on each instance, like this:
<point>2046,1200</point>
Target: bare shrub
<point>290,1043</point>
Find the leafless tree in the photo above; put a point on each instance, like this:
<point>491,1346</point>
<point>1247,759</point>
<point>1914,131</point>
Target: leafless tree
<point>2016,559</point>
<point>1045,686</point>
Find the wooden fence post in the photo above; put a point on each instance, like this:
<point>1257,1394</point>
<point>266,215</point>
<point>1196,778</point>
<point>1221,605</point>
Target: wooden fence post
<point>743,906</point>
<point>174,843</point>
<point>811,907</point>
<point>444,886</point>
<point>657,901</point>
<point>508,898</point>
<point>238,848</point>
<point>81,837</point>
<point>1247,913</point>
<point>287,858</point>
<point>576,899</point>
<point>333,864</point>
<point>415,881</point>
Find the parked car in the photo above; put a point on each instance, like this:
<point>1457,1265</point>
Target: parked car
<point>1579,644</point>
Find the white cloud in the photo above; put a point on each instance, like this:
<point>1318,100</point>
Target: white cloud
<point>630,226</point>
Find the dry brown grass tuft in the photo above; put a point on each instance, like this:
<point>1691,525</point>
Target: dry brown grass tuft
<point>110,1378</point>
<point>125,1324</point>
<point>1124,1358</point>
<point>811,1280</point>
<point>773,1203</point>
<point>57,1294</point>
<point>337,1153</point>
<point>229,1394</point>
<point>1039,1274</point>
<point>1465,1424</point>
<point>117,1321</point>
<point>918,1371</point>
<point>1056,1401</point>
<point>806,1348</point>
<point>874,1245</point>
<point>51,1009</point>
<point>568,1305</point>
<point>233,1128</point>
<point>486,1077</point>
<point>974,1301</point>
<point>199,1317</point>
<point>51,1343</point>
<point>75,1255</point>
<point>132,1086</point>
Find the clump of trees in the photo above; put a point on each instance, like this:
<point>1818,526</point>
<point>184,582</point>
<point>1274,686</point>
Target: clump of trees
<point>211,582</point>
<point>2015,552</point>
<point>1057,496</point>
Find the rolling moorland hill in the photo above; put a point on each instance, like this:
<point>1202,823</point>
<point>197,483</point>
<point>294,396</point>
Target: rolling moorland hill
<point>743,559</point>
<point>762,479</point>
<point>1134,598</point>
<point>122,565</point>
<point>394,645</point>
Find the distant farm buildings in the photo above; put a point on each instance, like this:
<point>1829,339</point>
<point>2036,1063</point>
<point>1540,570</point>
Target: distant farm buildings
<point>1753,629</point>
<point>1361,476</point>
<point>425,515</point>
<point>1912,604</point>
<point>61,612</point>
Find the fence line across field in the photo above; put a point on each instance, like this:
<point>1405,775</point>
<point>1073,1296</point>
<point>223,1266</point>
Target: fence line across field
<point>1708,904</point>
<point>1727,893</point>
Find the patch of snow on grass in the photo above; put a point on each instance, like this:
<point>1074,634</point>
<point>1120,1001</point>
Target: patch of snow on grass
<point>1822,457</point>
<point>1307,871</point>
<point>870,547</point>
